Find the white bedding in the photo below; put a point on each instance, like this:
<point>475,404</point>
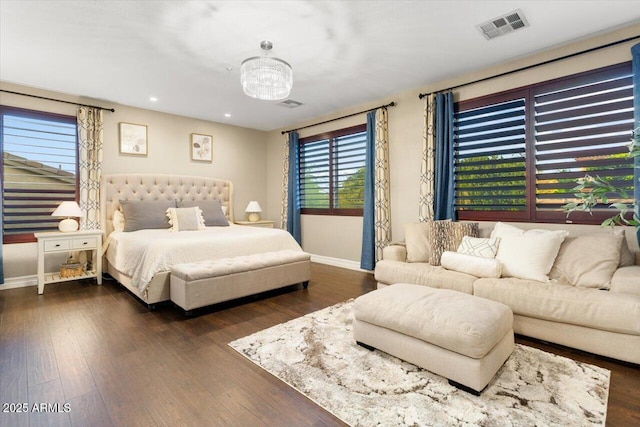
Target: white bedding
<point>143,253</point>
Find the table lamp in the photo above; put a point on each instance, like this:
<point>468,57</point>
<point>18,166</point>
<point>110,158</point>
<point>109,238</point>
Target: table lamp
<point>253,209</point>
<point>70,210</point>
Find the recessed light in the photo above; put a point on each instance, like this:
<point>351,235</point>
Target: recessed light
<point>227,114</point>
<point>153,99</point>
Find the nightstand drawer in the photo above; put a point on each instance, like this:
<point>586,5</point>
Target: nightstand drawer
<point>85,242</point>
<point>56,245</point>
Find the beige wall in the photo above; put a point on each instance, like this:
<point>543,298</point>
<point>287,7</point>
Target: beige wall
<point>405,139</point>
<point>238,154</point>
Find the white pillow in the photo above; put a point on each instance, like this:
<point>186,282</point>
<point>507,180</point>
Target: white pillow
<point>479,247</point>
<point>118,221</point>
<point>530,255</point>
<point>185,219</point>
<point>476,266</point>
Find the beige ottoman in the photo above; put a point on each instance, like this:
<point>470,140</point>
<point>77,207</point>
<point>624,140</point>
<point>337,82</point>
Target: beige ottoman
<point>458,336</point>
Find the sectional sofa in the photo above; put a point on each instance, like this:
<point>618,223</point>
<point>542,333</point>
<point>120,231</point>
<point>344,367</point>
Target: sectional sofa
<point>589,299</point>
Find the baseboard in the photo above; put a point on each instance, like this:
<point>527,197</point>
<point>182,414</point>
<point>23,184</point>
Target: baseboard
<point>337,262</point>
<point>19,282</point>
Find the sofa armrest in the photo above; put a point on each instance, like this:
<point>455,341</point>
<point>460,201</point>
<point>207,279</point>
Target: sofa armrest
<point>395,252</point>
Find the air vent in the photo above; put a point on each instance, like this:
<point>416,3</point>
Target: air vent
<point>289,103</point>
<point>502,25</point>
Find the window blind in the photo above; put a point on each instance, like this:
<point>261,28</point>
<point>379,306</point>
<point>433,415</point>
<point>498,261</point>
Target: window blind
<point>39,156</point>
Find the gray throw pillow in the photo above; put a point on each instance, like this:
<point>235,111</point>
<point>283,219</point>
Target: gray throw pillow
<point>211,211</point>
<point>145,214</point>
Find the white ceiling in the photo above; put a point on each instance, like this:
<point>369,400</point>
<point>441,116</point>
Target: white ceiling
<point>343,53</point>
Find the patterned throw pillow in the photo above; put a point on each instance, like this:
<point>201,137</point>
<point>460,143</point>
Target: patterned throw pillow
<point>446,236</point>
<point>475,246</point>
<point>185,219</point>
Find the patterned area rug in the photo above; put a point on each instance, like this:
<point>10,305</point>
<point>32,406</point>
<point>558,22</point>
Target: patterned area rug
<point>316,354</point>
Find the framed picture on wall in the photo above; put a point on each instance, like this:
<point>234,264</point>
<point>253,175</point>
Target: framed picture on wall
<point>133,139</point>
<point>201,147</point>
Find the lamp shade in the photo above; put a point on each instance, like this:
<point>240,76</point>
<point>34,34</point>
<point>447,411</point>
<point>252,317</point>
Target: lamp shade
<point>253,206</point>
<point>68,210</point>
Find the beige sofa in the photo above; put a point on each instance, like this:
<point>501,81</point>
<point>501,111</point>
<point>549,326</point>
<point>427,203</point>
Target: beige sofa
<point>604,322</point>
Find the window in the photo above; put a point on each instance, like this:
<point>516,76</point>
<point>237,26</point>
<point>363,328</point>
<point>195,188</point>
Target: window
<point>39,170</point>
<point>518,153</point>
<point>332,170</point>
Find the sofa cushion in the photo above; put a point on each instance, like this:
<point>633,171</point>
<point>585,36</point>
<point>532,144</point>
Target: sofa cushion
<point>474,265</point>
<point>592,308</point>
<point>588,261</point>
<point>390,272</point>
<point>416,238</point>
<point>452,320</point>
<point>626,280</point>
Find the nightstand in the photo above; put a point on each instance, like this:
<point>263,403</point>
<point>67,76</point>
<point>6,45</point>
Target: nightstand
<point>260,223</point>
<point>57,242</point>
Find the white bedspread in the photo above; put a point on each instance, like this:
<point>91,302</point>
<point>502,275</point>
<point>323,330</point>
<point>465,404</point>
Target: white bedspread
<point>143,253</point>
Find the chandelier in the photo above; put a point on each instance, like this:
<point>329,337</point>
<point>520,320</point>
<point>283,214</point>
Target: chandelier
<point>266,78</point>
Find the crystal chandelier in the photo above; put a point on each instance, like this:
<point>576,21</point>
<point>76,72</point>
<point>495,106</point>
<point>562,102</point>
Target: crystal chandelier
<point>266,78</point>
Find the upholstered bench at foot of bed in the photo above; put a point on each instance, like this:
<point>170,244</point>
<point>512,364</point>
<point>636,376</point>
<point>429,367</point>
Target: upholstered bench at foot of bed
<point>463,338</point>
<point>198,284</point>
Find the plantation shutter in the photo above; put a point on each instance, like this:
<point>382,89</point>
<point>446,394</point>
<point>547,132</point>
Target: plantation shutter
<point>583,127</point>
<point>348,165</point>
<point>39,156</point>
<point>315,173</point>
<point>490,157</point>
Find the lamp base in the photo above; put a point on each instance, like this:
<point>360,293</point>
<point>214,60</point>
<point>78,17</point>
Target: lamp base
<point>68,225</point>
<point>253,217</point>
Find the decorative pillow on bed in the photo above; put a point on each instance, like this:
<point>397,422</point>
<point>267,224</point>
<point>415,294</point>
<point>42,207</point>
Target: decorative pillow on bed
<point>212,211</point>
<point>145,214</point>
<point>479,247</point>
<point>185,219</point>
<point>118,221</point>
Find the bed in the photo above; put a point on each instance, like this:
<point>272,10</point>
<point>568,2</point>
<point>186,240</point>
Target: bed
<point>141,260</point>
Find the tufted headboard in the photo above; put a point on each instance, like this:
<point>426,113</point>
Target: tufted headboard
<point>160,187</point>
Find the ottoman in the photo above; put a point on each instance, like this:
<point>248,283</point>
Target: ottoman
<point>458,336</point>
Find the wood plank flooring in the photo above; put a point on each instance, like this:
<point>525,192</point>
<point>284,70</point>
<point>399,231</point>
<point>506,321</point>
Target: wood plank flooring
<point>105,360</point>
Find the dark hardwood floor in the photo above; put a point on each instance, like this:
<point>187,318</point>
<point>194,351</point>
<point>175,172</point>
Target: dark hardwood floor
<point>106,360</point>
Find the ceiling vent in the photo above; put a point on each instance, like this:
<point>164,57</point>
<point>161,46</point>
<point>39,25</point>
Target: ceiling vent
<point>502,25</point>
<point>289,103</point>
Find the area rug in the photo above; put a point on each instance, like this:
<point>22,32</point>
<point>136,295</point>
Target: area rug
<point>316,354</point>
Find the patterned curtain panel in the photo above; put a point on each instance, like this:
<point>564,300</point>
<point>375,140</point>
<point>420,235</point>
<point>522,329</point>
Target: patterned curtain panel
<point>285,184</point>
<point>293,193</point>
<point>444,190</point>
<point>377,211</point>
<point>90,140</point>
<point>635,54</point>
<point>427,167</point>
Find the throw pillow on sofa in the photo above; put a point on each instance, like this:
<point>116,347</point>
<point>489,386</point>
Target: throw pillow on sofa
<point>527,254</point>
<point>473,265</point>
<point>479,247</point>
<point>416,238</point>
<point>446,235</point>
<point>588,261</point>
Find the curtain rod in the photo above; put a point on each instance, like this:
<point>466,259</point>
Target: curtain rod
<point>571,55</point>
<point>391,104</point>
<point>58,100</point>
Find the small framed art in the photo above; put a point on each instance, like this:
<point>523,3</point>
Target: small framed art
<point>201,147</point>
<point>133,139</point>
